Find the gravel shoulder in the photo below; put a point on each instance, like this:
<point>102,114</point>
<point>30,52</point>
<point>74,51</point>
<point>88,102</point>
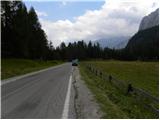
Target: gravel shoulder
<point>84,104</point>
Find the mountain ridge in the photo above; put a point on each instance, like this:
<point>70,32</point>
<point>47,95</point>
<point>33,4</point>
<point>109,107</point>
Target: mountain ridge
<point>114,42</point>
<point>150,20</point>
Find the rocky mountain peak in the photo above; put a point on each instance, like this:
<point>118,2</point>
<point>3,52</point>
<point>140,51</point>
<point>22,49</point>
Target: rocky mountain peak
<point>150,20</point>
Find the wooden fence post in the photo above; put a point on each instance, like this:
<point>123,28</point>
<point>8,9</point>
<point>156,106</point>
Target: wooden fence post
<point>138,93</point>
<point>129,89</point>
<point>100,74</point>
<point>110,78</point>
<point>96,72</point>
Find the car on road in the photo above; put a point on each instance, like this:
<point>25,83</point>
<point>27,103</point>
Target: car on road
<point>75,62</point>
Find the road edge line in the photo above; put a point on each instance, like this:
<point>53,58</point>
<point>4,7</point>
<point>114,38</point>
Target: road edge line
<point>67,100</point>
<point>9,80</point>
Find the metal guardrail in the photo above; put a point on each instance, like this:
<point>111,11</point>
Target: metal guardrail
<point>149,101</point>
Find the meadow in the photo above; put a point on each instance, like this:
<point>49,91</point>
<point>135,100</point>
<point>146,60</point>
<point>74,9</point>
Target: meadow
<point>113,102</point>
<point>144,75</point>
<point>15,67</point>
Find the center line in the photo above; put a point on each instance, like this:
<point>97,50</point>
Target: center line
<point>66,104</point>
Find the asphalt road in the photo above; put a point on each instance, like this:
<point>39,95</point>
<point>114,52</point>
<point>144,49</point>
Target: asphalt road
<point>41,95</point>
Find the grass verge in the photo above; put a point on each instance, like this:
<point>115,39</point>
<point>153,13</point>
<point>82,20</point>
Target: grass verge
<point>15,67</point>
<point>113,103</point>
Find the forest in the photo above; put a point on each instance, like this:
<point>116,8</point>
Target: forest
<point>23,37</point>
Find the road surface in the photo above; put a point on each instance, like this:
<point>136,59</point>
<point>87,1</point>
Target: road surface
<point>48,94</point>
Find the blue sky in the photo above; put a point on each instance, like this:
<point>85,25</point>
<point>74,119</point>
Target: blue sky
<point>63,10</point>
<point>83,20</point>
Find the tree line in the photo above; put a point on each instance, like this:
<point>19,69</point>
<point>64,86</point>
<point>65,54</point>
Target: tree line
<point>23,37</point>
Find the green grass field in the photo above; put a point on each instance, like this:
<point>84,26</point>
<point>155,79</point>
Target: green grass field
<point>144,75</point>
<point>14,67</point>
<point>112,101</point>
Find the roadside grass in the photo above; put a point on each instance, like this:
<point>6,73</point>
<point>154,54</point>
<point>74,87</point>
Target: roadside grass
<point>144,75</point>
<point>112,101</point>
<point>15,67</point>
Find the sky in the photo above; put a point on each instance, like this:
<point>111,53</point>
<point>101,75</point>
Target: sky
<point>70,20</point>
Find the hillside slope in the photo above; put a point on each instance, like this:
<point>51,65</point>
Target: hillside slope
<point>144,44</point>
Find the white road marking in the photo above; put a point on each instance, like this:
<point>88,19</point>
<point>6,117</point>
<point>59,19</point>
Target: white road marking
<point>28,74</point>
<point>66,104</point>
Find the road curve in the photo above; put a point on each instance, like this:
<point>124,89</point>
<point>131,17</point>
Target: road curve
<point>39,95</point>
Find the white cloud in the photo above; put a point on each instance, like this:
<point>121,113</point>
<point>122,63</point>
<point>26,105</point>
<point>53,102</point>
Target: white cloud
<point>115,18</point>
<point>40,13</point>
